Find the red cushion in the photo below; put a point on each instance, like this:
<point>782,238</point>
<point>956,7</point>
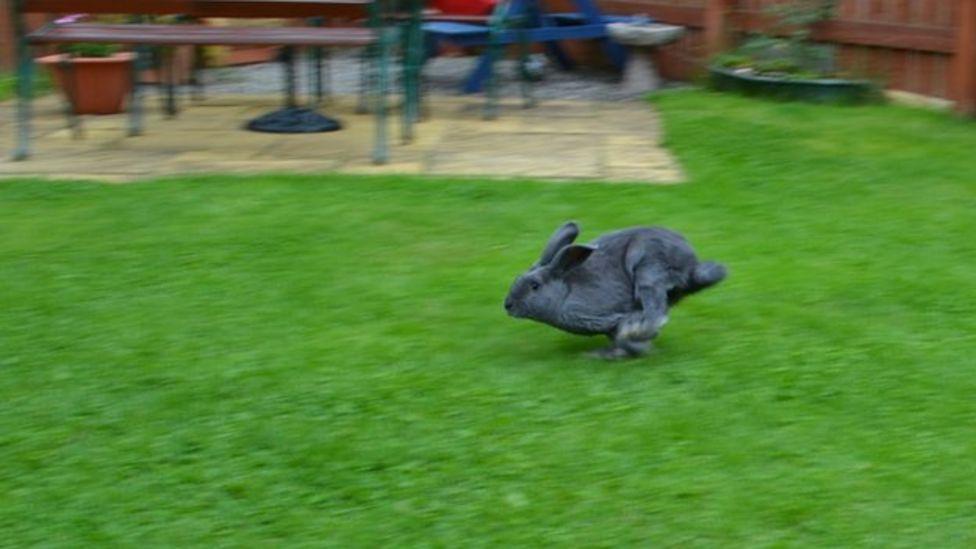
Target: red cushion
<point>465,7</point>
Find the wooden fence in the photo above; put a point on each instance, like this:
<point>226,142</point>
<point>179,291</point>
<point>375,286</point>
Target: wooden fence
<point>921,46</point>
<point>926,47</point>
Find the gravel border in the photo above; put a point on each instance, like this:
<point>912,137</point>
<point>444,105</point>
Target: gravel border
<point>442,76</point>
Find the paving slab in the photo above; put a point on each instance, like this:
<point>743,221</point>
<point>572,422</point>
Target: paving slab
<point>556,140</point>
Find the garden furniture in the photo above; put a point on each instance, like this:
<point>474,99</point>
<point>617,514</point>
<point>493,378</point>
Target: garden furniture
<point>385,18</point>
<point>518,21</point>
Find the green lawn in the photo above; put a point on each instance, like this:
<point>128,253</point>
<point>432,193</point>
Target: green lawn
<point>8,84</point>
<point>287,361</point>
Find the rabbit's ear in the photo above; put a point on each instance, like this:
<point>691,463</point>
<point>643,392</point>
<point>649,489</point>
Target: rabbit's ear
<point>569,258</point>
<point>564,236</point>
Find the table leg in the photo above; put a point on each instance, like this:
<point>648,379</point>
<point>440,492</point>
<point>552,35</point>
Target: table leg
<point>528,100</point>
<point>317,58</point>
<point>381,153</point>
<point>410,64</point>
<point>196,82</point>
<point>25,83</point>
<point>70,91</point>
<point>495,49</point>
<point>167,75</point>
<point>366,77</point>
<point>135,102</point>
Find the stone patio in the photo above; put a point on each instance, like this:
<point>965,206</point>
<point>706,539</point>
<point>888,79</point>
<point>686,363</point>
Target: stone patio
<point>557,140</point>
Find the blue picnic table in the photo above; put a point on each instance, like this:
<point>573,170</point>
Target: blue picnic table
<point>536,26</point>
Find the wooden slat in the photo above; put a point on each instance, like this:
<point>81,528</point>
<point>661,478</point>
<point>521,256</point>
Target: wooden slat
<point>174,35</point>
<point>899,62</point>
<point>964,63</point>
<point>940,75</point>
<point>929,39</point>
<point>886,35</point>
<point>902,11</point>
<point>717,26</point>
<point>206,8</point>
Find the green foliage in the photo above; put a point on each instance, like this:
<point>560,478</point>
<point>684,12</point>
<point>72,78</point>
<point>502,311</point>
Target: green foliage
<point>785,49</point>
<point>733,60</point>
<point>91,50</point>
<point>799,16</point>
<point>309,361</point>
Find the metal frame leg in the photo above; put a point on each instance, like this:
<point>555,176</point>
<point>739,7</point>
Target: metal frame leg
<point>25,92</point>
<point>407,114</point>
<point>528,100</point>
<point>70,90</point>
<point>325,74</point>
<point>167,79</point>
<point>491,82</point>
<point>135,103</point>
<point>25,84</point>
<point>428,45</point>
<point>381,153</point>
<point>316,81</point>
<point>196,83</point>
<point>318,58</point>
<point>423,107</point>
<point>413,63</point>
<point>291,77</point>
<point>366,78</point>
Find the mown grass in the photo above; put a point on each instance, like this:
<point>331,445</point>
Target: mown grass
<point>325,361</point>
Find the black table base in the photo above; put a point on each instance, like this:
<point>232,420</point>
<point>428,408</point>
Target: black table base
<point>292,118</point>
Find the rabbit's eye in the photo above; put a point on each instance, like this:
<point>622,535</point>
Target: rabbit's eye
<point>534,284</point>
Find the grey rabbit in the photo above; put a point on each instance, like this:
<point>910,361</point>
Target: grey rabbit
<point>622,285</point>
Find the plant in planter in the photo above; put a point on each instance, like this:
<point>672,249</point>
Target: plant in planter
<point>786,63</point>
<point>95,78</point>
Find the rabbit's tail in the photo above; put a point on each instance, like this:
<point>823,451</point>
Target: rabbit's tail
<point>706,274</point>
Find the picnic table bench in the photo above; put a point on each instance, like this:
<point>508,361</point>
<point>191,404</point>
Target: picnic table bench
<point>385,19</point>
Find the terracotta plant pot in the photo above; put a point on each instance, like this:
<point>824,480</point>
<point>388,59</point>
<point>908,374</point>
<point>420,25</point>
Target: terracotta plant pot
<point>93,85</point>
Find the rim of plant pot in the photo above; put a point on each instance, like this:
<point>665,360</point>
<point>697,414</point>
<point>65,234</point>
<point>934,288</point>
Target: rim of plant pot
<point>118,57</point>
<point>822,90</point>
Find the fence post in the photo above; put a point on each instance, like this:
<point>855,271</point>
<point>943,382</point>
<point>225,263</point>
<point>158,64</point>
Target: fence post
<point>717,15</point>
<point>964,60</point>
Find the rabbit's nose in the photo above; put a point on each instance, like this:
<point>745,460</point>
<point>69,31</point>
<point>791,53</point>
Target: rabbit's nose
<point>509,304</point>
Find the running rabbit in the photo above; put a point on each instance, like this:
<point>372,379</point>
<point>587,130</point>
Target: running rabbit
<point>621,284</point>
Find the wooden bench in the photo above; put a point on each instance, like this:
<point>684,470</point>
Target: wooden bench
<point>379,37</point>
<point>202,35</point>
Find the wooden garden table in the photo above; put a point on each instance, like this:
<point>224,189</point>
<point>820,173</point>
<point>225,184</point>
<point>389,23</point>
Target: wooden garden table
<point>357,10</point>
